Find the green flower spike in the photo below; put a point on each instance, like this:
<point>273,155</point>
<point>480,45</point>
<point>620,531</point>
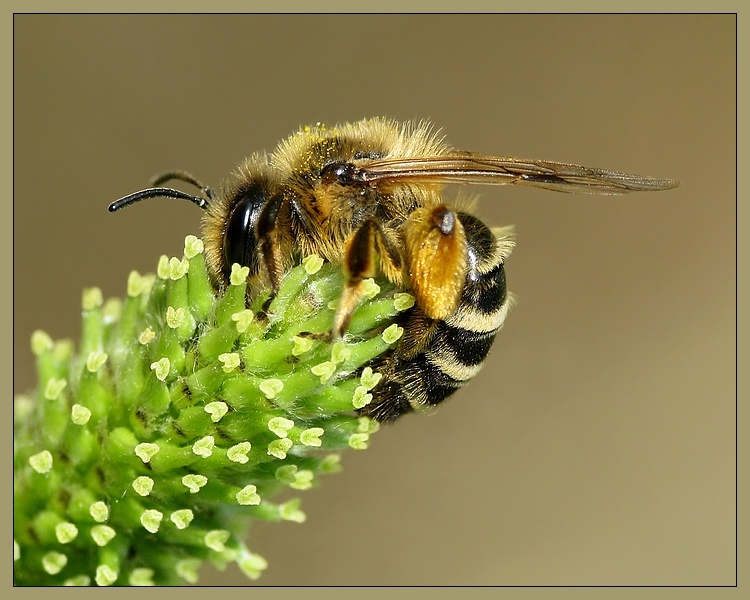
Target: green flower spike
<point>182,415</point>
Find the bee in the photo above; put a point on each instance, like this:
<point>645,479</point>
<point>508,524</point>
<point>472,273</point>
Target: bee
<point>369,196</point>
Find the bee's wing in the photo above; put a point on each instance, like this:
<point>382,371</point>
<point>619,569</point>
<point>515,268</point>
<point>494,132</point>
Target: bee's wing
<point>466,167</point>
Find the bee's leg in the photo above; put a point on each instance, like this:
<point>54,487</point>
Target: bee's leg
<point>368,244</point>
<point>436,252</point>
<point>270,244</point>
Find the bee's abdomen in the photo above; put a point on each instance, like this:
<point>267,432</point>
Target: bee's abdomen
<point>457,346</point>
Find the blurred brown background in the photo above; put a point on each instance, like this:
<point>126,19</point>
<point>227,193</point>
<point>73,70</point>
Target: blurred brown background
<point>598,444</point>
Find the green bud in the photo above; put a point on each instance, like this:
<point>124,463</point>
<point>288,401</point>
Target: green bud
<point>42,462</point>
<point>217,410</point>
<point>392,334</point>
<point>91,298</point>
<point>193,246</point>
<point>151,520</point>
<point>204,447</point>
<point>252,565</point>
<point>99,511</point>
<point>216,539</point>
<point>102,534</point>
<point>194,482</point>
<point>80,415</point>
<point>54,562</point>
<point>290,511</point>
<point>248,495</point>
<point>311,437</point>
<point>141,577</point>
<point>182,518</point>
<point>143,485</point>
<point>271,387</point>
<point>41,342</point>
<point>54,388</point>
<point>146,451</point>
<point>312,264</point>
<point>187,569</point>
<point>279,448</point>
<point>280,426</point>
<point>105,575</point>
<point>239,274</point>
<point>238,452</point>
<point>66,532</point>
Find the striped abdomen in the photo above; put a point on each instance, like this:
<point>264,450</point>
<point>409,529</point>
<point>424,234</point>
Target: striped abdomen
<point>435,357</point>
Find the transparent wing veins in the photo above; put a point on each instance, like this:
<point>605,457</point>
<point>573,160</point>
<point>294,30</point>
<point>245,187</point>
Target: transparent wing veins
<point>469,168</point>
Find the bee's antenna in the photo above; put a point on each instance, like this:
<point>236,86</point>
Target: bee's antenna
<point>182,176</point>
<point>156,192</point>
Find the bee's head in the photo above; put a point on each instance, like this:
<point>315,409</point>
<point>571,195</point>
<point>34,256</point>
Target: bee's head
<point>231,222</point>
<point>230,232</point>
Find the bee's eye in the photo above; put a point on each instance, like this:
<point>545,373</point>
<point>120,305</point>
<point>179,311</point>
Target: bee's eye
<point>240,240</point>
<point>343,173</point>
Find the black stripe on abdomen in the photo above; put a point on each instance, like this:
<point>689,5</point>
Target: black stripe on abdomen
<point>466,347</point>
<point>457,346</point>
